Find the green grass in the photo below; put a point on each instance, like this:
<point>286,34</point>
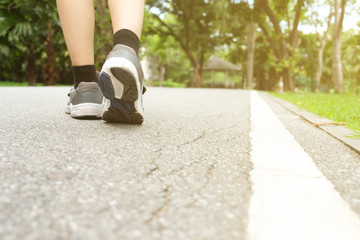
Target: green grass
<point>23,84</point>
<point>336,107</point>
<point>170,84</point>
<point>15,84</point>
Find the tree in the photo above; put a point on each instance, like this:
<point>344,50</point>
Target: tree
<point>172,62</point>
<point>28,28</point>
<point>322,40</point>
<point>251,37</point>
<point>339,12</point>
<point>250,44</point>
<point>18,31</point>
<point>233,31</point>
<point>192,24</point>
<point>351,60</point>
<point>283,46</point>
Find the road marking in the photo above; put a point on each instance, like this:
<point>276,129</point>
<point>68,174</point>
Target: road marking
<point>291,198</point>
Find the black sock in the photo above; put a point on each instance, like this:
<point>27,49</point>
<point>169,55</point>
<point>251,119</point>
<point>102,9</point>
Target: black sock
<point>128,38</point>
<point>85,73</point>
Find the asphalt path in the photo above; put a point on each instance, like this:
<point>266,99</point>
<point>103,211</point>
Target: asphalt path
<point>183,174</point>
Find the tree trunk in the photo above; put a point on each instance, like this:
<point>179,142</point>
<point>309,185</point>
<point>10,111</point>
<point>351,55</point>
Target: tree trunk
<point>197,69</point>
<point>272,79</point>
<point>50,70</point>
<point>261,81</point>
<point>243,78</point>
<point>319,68</point>
<point>250,54</point>
<point>198,78</point>
<point>337,66</point>
<point>161,74</point>
<point>287,80</point>
<point>31,66</point>
<point>338,79</point>
<point>284,51</point>
<point>294,32</point>
<point>270,40</point>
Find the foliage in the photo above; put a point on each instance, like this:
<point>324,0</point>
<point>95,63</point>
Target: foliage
<point>167,52</point>
<point>181,35</point>
<point>23,39</point>
<point>24,23</point>
<point>351,58</point>
<point>282,34</point>
<point>168,83</point>
<point>192,23</point>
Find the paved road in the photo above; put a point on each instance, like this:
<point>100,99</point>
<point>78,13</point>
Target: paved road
<point>186,173</point>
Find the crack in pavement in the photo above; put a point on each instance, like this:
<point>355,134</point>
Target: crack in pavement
<point>208,175</point>
<point>159,209</point>
<point>155,221</point>
<point>209,134</point>
<point>152,170</point>
<point>155,214</point>
<point>153,162</point>
<point>192,141</point>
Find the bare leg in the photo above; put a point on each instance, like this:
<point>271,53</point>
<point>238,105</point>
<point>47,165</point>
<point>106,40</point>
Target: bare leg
<point>78,22</point>
<point>127,14</point>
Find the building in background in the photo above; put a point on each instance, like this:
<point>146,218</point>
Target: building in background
<point>151,68</point>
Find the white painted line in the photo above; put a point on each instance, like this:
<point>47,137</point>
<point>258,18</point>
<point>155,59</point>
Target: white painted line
<point>291,198</point>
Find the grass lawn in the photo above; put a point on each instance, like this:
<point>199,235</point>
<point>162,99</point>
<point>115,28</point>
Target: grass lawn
<point>22,84</point>
<point>15,84</point>
<point>336,107</point>
<point>165,84</point>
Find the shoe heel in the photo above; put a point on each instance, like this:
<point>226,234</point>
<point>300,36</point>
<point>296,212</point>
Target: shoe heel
<point>122,112</point>
<point>127,79</point>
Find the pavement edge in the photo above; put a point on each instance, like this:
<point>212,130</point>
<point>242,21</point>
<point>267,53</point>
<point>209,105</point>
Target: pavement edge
<point>339,132</point>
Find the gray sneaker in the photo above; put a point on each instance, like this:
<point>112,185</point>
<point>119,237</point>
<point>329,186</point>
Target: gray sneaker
<point>122,84</point>
<point>85,101</point>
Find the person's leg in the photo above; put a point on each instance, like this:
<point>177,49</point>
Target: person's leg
<point>127,14</point>
<point>121,78</point>
<point>127,20</point>
<point>77,22</point>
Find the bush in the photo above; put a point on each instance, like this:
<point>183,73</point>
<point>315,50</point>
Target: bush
<point>167,83</point>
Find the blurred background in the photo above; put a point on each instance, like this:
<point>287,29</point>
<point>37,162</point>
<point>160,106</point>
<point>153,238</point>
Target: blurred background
<point>273,45</point>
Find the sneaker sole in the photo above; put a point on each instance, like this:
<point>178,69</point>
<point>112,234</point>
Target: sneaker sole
<point>120,110</point>
<point>86,111</point>
<point>130,93</point>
